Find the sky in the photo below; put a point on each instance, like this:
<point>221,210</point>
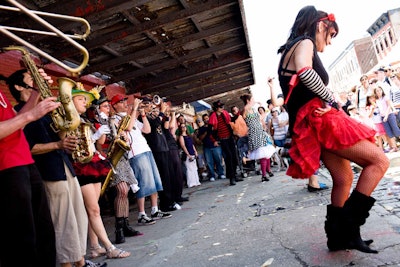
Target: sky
<point>268,25</point>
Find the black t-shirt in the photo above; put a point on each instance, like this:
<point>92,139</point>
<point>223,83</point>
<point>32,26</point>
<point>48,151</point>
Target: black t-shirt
<point>300,94</point>
<point>156,139</point>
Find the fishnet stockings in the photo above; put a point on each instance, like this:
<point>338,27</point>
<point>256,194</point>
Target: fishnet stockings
<point>363,153</point>
<point>121,202</point>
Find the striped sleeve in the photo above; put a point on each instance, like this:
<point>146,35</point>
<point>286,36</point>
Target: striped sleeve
<point>313,81</point>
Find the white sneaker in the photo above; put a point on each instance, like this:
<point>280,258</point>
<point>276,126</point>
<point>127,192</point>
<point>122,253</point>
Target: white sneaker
<point>177,206</point>
<point>212,179</point>
<point>222,177</point>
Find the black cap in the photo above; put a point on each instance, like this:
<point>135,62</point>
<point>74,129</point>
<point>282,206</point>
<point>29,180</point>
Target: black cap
<point>218,104</point>
<point>103,98</point>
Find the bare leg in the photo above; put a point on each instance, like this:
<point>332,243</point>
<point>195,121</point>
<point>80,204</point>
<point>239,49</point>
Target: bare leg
<point>365,154</point>
<point>342,177</point>
<point>140,203</point>
<point>313,181</point>
<point>91,193</point>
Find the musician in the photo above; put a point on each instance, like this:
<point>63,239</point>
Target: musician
<point>141,159</point>
<point>159,146</point>
<point>89,176</point>
<point>62,188</point>
<point>123,179</point>
<point>26,223</point>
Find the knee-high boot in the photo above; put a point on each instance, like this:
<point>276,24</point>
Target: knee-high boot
<point>333,230</point>
<point>119,230</point>
<point>355,212</point>
<point>336,231</point>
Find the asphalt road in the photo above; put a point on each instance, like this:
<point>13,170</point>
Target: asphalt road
<point>275,223</point>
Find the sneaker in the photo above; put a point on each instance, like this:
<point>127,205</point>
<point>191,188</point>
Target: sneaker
<point>176,206</point>
<point>212,179</point>
<point>94,264</point>
<point>222,177</point>
<point>161,215</point>
<point>144,220</point>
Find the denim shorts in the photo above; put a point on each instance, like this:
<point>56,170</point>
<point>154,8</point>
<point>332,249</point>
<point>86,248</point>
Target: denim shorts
<point>147,175</point>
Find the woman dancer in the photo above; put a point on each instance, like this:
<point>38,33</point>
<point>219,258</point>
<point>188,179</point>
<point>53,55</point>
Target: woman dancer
<point>320,130</point>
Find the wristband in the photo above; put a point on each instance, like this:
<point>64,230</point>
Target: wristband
<point>333,104</point>
<point>143,116</point>
<point>161,114</point>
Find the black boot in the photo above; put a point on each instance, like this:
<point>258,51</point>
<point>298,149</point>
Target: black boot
<point>232,181</point>
<point>128,230</point>
<point>119,230</point>
<point>333,230</point>
<point>336,231</point>
<point>355,212</point>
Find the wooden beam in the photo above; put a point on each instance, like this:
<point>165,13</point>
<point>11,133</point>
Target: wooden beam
<point>197,70</point>
<point>152,24</point>
<point>166,91</point>
<point>174,62</point>
<point>201,94</point>
<point>226,27</point>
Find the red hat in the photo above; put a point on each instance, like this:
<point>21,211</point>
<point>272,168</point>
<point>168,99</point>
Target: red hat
<point>118,98</point>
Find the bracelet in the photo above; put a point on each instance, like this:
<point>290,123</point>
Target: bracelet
<point>143,116</point>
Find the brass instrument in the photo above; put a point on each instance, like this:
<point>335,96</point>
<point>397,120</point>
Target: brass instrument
<point>84,151</point>
<point>116,150</point>
<point>54,31</point>
<point>157,100</point>
<point>64,117</point>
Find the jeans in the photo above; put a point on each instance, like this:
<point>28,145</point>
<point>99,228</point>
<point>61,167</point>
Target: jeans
<point>242,146</point>
<point>391,128</point>
<point>214,156</point>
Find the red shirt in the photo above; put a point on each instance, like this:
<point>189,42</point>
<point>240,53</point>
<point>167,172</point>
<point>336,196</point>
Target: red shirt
<point>223,130</point>
<point>14,149</point>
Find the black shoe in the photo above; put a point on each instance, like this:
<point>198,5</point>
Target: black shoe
<point>264,179</point>
<point>270,174</point>
<point>128,230</point>
<point>239,179</point>
<point>160,215</point>
<point>232,182</point>
<point>315,189</point>
<point>94,264</point>
<point>183,199</point>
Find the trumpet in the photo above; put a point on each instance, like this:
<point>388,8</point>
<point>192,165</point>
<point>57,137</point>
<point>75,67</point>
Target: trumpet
<point>53,31</point>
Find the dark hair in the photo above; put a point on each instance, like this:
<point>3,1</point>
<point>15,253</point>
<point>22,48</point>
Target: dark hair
<point>261,108</point>
<point>17,78</point>
<point>245,98</point>
<point>204,115</point>
<point>369,103</point>
<point>305,24</point>
<point>380,87</point>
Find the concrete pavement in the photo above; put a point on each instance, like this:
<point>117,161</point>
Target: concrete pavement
<point>275,223</point>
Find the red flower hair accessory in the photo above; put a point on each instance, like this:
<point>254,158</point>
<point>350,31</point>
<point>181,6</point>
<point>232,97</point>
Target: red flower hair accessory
<point>330,17</point>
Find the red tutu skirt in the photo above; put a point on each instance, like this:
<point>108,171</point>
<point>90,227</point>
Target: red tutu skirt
<point>95,168</point>
<point>334,130</point>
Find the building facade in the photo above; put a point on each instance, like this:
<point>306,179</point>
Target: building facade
<point>365,55</point>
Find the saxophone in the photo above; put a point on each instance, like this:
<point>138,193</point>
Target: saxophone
<point>84,150</point>
<point>65,117</point>
<point>116,150</point>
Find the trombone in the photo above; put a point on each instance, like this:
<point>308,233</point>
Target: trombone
<point>53,32</point>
